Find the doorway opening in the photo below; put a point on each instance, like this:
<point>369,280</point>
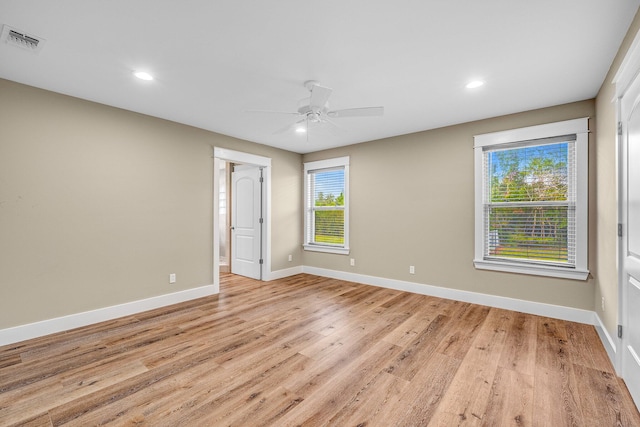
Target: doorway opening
<point>226,234</point>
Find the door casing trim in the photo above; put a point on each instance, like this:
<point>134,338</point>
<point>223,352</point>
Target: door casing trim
<point>226,155</point>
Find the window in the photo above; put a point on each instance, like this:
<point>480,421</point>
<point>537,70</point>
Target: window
<point>327,205</point>
<point>531,200</point>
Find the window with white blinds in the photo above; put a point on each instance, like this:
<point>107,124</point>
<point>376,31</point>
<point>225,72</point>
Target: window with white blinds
<point>326,205</point>
<point>529,208</point>
<point>531,213</point>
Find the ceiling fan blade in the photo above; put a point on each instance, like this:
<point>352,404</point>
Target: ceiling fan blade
<point>332,127</point>
<point>273,112</point>
<point>357,112</point>
<point>319,96</point>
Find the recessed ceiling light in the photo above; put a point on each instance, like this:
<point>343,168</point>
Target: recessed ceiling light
<point>301,129</point>
<point>143,75</point>
<point>474,84</point>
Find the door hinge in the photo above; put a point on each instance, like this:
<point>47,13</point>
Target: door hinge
<point>261,261</point>
<point>619,230</point>
<point>261,220</point>
<point>619,331</point>
<point>261,179</point>
<point>620,128</point>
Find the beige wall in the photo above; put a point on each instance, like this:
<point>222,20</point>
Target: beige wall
<point>412,203</point>
<point>98,205</point>
<point>607,284</point>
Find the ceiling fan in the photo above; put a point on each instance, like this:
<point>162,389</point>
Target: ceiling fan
<point>315,110</point>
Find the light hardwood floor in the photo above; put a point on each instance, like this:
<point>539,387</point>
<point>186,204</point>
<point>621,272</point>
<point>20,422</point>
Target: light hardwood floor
<point>314,351</point>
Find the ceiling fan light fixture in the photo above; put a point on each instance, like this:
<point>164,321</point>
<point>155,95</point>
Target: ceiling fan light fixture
<point>474,84</point>
<point>143,75</point>
<point>301,129</point>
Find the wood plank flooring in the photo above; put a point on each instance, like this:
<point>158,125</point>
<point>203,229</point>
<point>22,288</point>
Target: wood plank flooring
<point>313,351</point>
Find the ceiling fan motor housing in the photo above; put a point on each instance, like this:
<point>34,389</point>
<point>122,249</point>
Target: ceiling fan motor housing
<point>305,108</point>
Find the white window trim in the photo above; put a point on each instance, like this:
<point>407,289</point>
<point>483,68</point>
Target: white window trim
<point>579,127</point>
<point>326,164</point>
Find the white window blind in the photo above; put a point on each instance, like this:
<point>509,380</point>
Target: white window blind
<point>326,221</point>
<point>530,195</point>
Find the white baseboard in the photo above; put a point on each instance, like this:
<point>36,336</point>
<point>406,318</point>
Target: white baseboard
<point>65,323</point>
<point>530,307</point>
<point>608,342</point>
<point>281,274</point>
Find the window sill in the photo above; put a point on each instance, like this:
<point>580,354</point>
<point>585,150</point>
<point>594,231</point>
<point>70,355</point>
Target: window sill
<point>326,249</point>
<point>537,270</point>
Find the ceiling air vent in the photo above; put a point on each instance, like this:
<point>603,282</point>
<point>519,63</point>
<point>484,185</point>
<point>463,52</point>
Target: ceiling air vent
<point>20,39</point>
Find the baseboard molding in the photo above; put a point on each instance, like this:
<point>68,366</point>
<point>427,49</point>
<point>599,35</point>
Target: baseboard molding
<point>65,323</point>
<point>281,274</point>
<point>608,342</point>
<point>530,307</point>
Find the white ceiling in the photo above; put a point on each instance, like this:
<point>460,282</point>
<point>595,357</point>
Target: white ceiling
<point>215,59</point>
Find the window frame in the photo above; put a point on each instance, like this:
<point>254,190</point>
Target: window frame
<point>320,165</point>
<point>488,141</point>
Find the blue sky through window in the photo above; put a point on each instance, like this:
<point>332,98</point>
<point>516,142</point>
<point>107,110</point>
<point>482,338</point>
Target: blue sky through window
<point>501,160</point>
<point>329,182</point>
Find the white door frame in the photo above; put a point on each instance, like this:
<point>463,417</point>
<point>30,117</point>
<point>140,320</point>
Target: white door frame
<point>624,78</point>
<point>226,155</point>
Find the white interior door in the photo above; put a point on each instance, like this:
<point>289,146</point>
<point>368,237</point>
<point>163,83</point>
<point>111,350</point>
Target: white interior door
<point>246,221</point>
<point>630,238</point>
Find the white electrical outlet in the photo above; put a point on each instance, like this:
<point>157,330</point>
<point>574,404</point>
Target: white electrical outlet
<point>602,303</point>
<point>290,257</point>
<point>412,269</point>
<point>353,262</point>
<point>172,278</point>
